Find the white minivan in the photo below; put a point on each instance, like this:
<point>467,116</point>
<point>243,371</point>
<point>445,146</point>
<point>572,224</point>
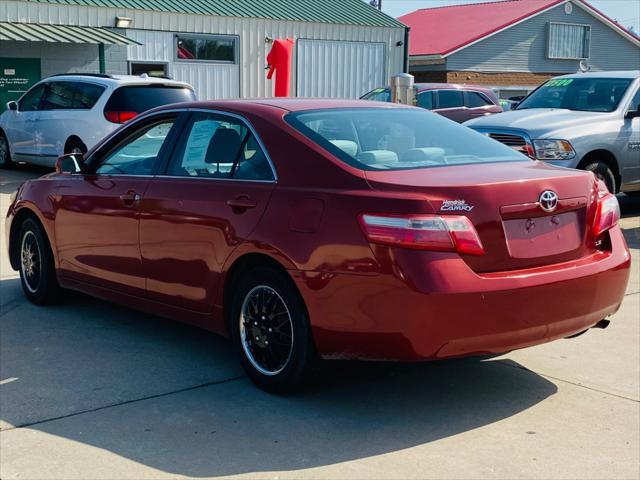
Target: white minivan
<point>71,113</point>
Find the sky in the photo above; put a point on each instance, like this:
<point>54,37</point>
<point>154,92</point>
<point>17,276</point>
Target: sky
<point>627,12</point>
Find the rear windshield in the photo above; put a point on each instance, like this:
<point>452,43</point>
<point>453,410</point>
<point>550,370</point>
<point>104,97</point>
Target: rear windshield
<point>396,139</point>
<point>145,97</point>
<point>586,94</point>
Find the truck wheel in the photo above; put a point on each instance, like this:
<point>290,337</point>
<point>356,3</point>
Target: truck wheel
<point>5,154</point>
<point>604,173</point>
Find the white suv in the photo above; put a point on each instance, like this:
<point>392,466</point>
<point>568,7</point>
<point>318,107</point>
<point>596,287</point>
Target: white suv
<point>71,113</point>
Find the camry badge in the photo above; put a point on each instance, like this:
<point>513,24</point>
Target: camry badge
<point>455,206</point>
<point>548,200</point>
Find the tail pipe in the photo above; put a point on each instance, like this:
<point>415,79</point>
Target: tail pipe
<point>602,324</point>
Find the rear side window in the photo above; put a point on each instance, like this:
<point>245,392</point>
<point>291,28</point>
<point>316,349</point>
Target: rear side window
<point>138,99</point>
<point>217,146</point>
<point>425,100</point>
<point>71,96</point>
<point>396,139</point>
<point>475,100</point>
<point>450,99</point>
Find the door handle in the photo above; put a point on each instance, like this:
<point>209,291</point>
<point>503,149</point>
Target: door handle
<point>130,198</point>
<point>241,203</point>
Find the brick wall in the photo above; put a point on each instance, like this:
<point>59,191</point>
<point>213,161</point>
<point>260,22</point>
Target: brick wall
<point>485,78</point>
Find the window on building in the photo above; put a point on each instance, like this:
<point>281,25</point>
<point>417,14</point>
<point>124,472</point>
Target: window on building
<point>476,100</point>
<point>450,98</point>
<point>569,41</point>
<point>206,48</point>
<point>151,69</point>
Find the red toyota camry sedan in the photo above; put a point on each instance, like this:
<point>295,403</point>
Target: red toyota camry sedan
<point>335,229</point>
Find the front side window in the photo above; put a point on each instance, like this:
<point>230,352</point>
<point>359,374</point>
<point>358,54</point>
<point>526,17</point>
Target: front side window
<point>587,93</point>
<point>378,95</point>
<point>31,100</point>
<point>396,139</point>
<point>138,155</point>
<point>216,146</point>
<point>569,41</point>
<point>425,100</point>
<point>206,48</point>
<point>450,99</point>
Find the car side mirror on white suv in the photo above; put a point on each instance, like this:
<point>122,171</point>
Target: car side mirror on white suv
<point>632,114</point>
<point>12,105</point>
<point>70,163</point>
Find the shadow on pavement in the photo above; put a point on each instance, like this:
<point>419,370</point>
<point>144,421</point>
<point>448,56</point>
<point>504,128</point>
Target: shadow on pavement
<point>85,355</point>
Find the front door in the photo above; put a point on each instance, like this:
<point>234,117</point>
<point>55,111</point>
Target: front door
<point>98,213</point>
<point>207,202</point>
<point>22,126</point>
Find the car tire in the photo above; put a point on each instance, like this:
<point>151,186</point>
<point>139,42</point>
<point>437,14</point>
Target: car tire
<point>604,173</point>
<point>37,269</point>
<point>5,153</point>
<point>271,331</point>
<point>75,146</point>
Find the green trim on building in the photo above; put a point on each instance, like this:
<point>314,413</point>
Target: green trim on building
<point>37,32</point>
<point>346,12</point>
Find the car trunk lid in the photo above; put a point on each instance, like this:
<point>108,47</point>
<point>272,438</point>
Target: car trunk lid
<point>503,201</point>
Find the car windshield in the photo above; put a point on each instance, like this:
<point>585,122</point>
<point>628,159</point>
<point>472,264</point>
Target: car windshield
<point>378,95</point>
<point>587,94</point>
<point>398,138</point>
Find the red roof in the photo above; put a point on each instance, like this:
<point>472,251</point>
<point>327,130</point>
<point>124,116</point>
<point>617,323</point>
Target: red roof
<point>441,30</point>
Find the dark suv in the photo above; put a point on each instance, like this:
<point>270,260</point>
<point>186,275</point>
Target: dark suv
<point>456,102</point>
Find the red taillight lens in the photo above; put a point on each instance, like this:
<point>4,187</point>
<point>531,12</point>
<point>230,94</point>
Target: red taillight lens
<point>119,117</point>
<point>607,214</point>
<point>447,233</point>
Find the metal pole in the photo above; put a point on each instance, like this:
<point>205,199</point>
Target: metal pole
<point>101,60</point>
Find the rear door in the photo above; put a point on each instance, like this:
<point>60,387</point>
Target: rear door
<point>450,104</point>
<point>207,202</point>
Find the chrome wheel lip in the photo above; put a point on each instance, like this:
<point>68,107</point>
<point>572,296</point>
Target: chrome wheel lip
<point>244,334</point>
<point>27,262</point>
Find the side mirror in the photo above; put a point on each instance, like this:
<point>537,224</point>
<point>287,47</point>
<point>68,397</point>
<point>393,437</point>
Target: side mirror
<point>70,163</point>
<point>632,114</point>
<point>12,106</point>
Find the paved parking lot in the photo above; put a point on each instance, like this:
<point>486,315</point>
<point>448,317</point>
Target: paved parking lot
<point>91,390</point>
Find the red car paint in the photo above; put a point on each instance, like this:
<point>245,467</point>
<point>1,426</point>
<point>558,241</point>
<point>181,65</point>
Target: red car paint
<point>172,252</point>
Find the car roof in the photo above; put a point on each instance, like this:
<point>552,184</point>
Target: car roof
<point>289,104</point>
<point>117,80</point>
<point>613,74</point>
<point>457,86</point>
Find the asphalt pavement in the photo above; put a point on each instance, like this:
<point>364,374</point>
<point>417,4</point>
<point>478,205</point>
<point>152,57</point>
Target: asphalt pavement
<point>89,390</point>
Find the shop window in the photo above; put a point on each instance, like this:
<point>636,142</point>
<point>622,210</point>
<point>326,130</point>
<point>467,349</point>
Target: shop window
<point>206,48</point>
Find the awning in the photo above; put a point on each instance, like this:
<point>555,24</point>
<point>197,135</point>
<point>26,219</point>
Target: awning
<point>37,32</point>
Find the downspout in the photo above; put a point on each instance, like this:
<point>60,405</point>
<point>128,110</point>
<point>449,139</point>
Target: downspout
<point>406,49</point>
<point>101,60</point>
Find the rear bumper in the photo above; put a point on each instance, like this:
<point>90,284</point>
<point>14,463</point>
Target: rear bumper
<point>434,306</point>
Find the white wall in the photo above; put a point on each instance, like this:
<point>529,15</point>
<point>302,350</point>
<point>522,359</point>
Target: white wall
<point>210,80</point>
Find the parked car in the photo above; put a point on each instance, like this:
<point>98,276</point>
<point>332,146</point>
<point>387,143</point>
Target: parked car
<point>71,113</point>
<point>332,228</point>
<point>589,121</point>
<point>456,102</point>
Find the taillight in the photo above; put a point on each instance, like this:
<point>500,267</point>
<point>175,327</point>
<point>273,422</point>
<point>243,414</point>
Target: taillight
<point>446,233</point>
<point>119,117</point>
<point>607,214</point>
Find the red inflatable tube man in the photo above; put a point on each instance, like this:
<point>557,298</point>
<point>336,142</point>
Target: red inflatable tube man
<point>279,60</point>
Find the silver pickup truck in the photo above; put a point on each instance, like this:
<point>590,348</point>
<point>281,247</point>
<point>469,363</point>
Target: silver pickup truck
<point>589,121</point>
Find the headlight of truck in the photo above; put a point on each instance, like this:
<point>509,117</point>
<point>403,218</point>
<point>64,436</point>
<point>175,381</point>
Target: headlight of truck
<point>553,150</point>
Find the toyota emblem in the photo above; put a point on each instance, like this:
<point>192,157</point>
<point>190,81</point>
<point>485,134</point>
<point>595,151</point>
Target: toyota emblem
<point>548,200</point>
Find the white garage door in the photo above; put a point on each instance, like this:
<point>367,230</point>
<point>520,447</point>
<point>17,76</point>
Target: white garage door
<point>339,69</point>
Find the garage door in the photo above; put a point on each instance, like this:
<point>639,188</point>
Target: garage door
<point>339,69</point>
